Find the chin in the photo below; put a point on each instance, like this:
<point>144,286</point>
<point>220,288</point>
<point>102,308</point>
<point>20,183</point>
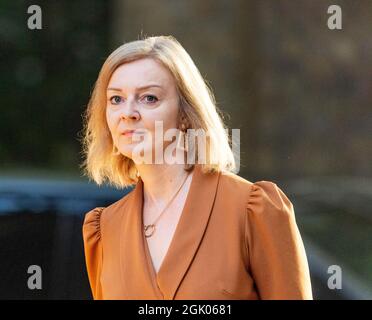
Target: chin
<point>128,151</point>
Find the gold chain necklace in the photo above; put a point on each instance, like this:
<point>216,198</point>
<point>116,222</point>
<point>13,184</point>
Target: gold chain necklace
<point>150,228</point>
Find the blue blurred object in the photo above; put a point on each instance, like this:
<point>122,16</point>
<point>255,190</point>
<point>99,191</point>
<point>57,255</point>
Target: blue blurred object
<point>41,224</point>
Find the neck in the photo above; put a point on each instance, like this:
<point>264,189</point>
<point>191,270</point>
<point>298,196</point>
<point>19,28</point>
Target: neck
<point>160,181</point>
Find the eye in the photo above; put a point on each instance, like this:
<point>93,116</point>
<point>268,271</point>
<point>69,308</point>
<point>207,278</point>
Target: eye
<point>153,99</point>
<point>115,99</point>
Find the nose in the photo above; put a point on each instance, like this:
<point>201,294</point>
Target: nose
<point>129,111</point>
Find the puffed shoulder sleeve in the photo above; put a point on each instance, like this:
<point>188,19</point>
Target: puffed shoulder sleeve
<point>277,255</point>
<point>93,250</point>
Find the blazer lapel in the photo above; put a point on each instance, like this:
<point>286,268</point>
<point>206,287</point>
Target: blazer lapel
<point>139,276</point>
<point>136,275</point>
<point>189,232</point>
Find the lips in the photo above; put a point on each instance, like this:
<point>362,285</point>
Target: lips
<point>128,133</point>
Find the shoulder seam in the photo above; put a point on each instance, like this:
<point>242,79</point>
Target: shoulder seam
<point>247,231</point>
<point>98,211</point>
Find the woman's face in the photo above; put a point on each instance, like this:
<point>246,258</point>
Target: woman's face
<point>138,94</point>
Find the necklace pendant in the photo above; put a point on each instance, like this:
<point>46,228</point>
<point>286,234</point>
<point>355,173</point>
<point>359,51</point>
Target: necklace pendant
<point>149,230</point>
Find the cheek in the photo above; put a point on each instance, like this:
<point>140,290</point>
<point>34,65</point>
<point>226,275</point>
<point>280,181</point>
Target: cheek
<point>148,118</point>
<point>170,120</point>
<point>168,115</point>
<point>110,119</point>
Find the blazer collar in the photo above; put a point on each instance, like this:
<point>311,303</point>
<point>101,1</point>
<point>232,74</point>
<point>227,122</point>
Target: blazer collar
<point>140,281</point>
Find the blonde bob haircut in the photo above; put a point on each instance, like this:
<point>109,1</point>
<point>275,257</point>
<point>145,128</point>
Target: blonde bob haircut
<point>197,106</point>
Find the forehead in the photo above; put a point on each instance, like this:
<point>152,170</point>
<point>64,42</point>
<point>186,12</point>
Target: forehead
<point>140,72</point>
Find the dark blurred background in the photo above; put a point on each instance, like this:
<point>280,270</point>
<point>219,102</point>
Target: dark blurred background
<point>299,92</point>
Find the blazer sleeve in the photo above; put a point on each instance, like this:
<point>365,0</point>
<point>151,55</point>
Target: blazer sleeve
<point>93,250</point>
<point>277,255</point>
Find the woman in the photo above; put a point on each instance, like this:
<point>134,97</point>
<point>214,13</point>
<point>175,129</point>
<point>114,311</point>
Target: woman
<point>190,229</point>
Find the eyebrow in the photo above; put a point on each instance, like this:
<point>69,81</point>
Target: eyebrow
<point>138,89</point>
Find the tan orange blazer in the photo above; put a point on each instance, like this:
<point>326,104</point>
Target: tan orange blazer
<point>235,240</point>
